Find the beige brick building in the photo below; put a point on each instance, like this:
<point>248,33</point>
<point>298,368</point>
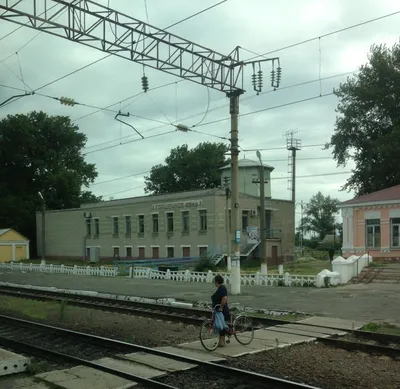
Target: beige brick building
<point>176,225</point>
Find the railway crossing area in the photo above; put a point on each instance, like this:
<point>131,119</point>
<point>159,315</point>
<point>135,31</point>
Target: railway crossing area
<point>151,366</point>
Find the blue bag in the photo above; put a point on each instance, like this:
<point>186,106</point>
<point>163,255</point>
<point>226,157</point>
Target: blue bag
<point>219,322</point>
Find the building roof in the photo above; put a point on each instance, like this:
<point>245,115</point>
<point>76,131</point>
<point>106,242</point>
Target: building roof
<point>388,194</point>
<point>4,230</point>
<point>243,163</point>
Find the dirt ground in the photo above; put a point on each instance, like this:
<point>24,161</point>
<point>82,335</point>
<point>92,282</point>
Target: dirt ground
<point>144,331</point>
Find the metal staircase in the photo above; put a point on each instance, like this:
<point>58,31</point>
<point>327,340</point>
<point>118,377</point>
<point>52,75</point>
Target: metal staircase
<point>247,249</point>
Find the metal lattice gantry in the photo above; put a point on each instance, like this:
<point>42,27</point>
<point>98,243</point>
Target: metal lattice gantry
<point>105,29</point>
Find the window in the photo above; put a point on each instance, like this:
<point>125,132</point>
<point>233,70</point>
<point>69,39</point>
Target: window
<point>128,252</point>
<point>128,225</point>
<point>141,224</point>
<point>96,227</point>
<point>203,220</point>
<point>116,252</point>
<point>185,222</point>
<point>202,250</point>
<point>115,225</point>
<point>395,232</point>
<point>170,252</point>
<point>373,232</point>
<point>170,222</point>
<point>88,227</point>
<point>156,252</point>
<point>141,252</point>
<point>245,220</point>
<point>185,252</point>
<point>155,224</point>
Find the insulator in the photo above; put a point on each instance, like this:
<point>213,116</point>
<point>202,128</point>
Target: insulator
<point>145,83</point>
<point>279,74</point>
<point>260,79</point>
<point>253,79</point>
<point>272,76</point>
<point>67,101</point>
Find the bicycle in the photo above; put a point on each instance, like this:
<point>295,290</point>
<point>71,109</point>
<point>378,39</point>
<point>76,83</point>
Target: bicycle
<point>240,326</point>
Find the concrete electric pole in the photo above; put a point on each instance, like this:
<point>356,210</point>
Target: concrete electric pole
<point>94,25</point>
<point>43,248</point>
<point>227,224</point>
<point>293,145</point>
<point>263,228</point>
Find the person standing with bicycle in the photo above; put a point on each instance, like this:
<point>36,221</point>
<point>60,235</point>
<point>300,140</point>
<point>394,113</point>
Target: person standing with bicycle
<point>220,300</point>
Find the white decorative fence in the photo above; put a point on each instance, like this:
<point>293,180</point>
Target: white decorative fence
<point>182,276</point>
<point>246,279</point>
<point>61,269</point>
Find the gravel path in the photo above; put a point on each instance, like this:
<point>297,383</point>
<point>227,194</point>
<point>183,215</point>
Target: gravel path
<point>325,367</point>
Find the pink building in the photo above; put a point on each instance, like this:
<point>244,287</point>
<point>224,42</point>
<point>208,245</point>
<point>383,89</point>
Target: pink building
<point>372,223</point>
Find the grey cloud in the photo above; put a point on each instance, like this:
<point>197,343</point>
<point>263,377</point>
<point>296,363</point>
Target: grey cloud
<point>254,25</point>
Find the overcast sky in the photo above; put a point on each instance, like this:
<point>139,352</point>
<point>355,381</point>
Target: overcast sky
<point>257,25</point>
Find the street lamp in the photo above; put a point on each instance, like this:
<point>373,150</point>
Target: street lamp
<point>43,225</point>
<point>264,265</point>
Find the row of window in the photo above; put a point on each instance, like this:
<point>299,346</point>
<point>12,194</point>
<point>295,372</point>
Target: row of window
<point>169,220</point>
<point>185,252</point>
<point>154,220</point>
<point>373,233</point>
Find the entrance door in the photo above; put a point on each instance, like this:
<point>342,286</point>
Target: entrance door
<point>19,253</point>
<point>141,253</point>
<point>274,254</point>
<point>186,252</point>
<point>156,252</point>
<point>202,250</point>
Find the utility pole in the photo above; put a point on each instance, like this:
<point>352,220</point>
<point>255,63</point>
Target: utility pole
<point>263,228</point>
<point>234,111</point>
<point>100,27</point>
<point>43,226</point>
<point>292,144</point>
<point>301,223</point>
<point>227,225</point>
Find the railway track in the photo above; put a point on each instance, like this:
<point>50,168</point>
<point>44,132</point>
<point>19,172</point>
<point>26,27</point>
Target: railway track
<point>369,342</point>
<point>78,348</point>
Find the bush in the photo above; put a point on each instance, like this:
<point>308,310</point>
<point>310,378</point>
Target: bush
<point>205,264</point>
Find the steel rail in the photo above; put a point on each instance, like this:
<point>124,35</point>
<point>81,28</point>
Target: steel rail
<point>272,382</point>
<point>192,316</point>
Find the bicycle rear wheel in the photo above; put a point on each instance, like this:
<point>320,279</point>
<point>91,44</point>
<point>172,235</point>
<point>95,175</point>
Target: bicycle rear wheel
<point>243,329</point>
<point>208,337</point>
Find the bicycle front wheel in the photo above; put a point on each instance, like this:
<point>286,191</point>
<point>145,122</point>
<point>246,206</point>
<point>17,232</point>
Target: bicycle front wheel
<point>243,329</point>
<point>208,337</point>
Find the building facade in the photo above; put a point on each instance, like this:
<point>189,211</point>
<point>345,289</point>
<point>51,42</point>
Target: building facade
<point>13,246</point>
<point>371,223</point>
<point>178,225</point>
<point>249,172</point>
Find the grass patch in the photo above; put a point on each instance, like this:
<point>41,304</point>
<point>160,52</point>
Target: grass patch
<point>382,328</point>
<point>30,308</point>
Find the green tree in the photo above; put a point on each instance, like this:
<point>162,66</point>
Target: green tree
<point>367,130</point>
<point>188,169</point>
<point>40,153</point>
<point>320,214</point>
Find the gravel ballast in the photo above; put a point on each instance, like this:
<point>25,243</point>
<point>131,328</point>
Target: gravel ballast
<point>314,364</point>
<point>140,330</point>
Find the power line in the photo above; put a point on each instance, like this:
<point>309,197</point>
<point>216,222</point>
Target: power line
<point>312,175</point>
<point>284,148</point>
<point>325,35</point>
<point>220,107</point>
<point>123,191</point>
<point>131,141</point>
<point>272,178</point>
<point>119,178</point>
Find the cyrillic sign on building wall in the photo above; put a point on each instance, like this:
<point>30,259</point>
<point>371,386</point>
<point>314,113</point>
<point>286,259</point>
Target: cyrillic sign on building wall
<point>178,205</point>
